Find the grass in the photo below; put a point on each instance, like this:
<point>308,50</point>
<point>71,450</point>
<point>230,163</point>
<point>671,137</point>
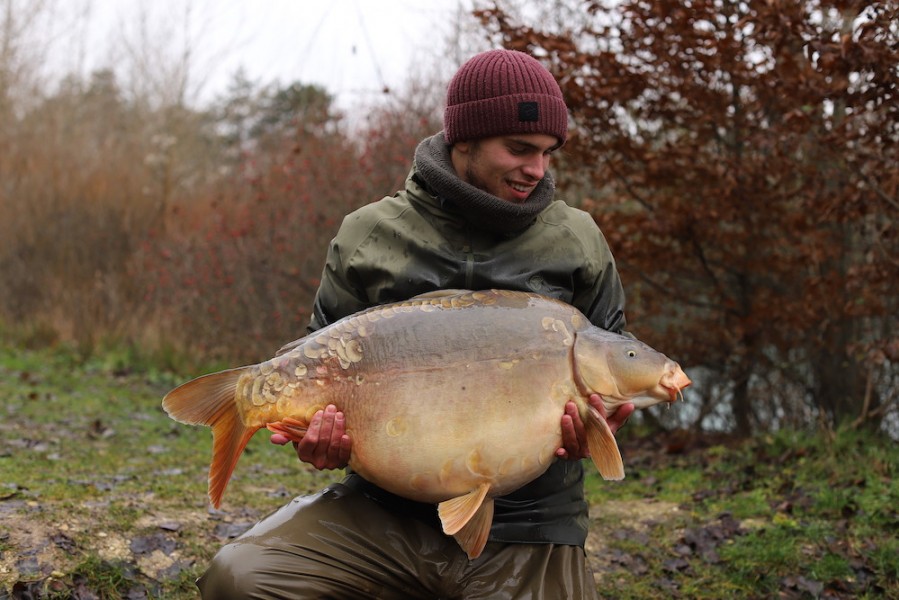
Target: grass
<point>89,463</point>
<point>102,494</point>
<point>788,515</point>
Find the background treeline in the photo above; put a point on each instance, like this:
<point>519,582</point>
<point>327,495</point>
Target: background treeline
<point>741,158</point>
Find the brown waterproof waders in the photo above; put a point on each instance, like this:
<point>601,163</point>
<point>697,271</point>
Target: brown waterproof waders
<point>341,544</point>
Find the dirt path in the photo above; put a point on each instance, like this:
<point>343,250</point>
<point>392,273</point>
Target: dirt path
<point>42,548</point>
<point>631,520</point>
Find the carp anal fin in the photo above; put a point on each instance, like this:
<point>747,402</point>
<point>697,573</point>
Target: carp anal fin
<point>290,428</point>
<point>603,447</point>
<point>468,519</point>
<point>210,400</point>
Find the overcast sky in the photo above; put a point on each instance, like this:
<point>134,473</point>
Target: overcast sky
<point>354,48</point>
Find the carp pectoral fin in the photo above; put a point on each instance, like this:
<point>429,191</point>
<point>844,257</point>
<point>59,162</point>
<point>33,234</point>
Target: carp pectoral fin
<point>456,512</point>
<point>290,428</point>
<point>603,447</point>
<point>473,536</point>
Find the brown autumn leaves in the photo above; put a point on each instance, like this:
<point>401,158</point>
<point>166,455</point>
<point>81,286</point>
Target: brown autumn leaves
<point>743,162</point>
<point>740,158</point>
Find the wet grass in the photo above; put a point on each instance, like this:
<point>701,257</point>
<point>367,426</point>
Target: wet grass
<point>791,515</point>
<point>100,491</point>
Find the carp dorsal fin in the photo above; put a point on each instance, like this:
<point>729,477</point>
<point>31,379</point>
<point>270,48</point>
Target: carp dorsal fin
<point>440,294</point>
<point>603,447</point>
<point>289,346</point>
<point>456,512</point>
<point>473,536</point>
<point>426,296</point>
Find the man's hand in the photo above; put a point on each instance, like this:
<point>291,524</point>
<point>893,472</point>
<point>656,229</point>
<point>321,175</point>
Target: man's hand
<point>326,444</point>
<point>574,436</point>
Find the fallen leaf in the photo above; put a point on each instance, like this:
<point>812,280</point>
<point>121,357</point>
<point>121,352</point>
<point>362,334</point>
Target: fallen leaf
<point>230,530</point>
<point>148,543</point>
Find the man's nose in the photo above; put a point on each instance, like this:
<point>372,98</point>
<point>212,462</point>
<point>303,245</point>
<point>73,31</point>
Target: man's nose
<point>535,166</point>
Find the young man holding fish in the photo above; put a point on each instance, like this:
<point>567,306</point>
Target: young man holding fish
<point>477,213</point>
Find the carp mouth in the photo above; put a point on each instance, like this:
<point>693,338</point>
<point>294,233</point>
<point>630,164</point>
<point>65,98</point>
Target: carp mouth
<point>674,382</point>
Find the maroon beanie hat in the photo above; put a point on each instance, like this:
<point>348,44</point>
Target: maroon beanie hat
<point>501,92</point>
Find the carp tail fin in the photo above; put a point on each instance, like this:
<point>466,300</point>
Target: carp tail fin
<point>211,400</point>
<point>603,447</point>
<point>468,519</point>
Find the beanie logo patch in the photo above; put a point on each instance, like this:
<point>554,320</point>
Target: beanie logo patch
<point>528,111</point>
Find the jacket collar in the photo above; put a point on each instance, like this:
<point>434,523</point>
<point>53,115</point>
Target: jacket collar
<point>433,170</point>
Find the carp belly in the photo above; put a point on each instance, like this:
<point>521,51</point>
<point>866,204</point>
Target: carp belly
<point>425,437</point>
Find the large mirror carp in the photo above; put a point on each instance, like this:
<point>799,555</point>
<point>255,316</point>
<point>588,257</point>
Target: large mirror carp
<point>452,398</point>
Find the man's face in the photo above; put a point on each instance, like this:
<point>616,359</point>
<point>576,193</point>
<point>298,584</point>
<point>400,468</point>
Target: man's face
<point>508,166</point>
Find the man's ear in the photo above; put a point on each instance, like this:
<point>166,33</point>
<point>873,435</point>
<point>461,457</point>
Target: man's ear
<point>462,147</point>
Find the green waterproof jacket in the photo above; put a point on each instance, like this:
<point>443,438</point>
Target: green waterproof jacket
<point>413,243</point>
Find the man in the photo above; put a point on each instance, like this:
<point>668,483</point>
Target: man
<point>477,212</point>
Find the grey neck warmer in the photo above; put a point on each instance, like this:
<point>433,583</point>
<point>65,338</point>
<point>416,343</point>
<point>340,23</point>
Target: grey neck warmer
<point>480,209</point>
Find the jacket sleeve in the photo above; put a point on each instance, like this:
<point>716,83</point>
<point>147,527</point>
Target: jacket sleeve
<point>338,294</point>
<point>599,293</point>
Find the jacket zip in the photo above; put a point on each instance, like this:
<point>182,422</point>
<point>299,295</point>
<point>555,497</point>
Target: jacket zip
<point>469,266</point>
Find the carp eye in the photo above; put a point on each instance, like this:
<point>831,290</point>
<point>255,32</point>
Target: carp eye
<point>631,353</point>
